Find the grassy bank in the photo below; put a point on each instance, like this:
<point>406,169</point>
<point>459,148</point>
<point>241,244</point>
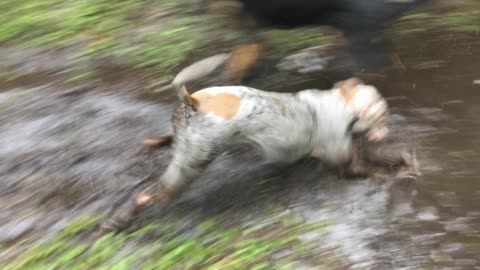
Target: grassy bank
<point>151,35</point>
<point>210,245</point>
<point>159,36</point>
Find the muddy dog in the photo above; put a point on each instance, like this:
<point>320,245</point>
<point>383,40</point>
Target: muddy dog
<point>286,126</point>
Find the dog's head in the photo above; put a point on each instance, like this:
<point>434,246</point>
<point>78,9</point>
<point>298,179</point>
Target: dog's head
<point>368,107</point>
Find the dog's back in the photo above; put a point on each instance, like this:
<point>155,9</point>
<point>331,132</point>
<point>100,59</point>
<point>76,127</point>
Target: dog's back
<point>235,114</point>
<point>286,126</point>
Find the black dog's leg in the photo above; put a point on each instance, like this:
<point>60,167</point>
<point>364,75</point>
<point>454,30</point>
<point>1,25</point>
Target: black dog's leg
<point>368,48</point>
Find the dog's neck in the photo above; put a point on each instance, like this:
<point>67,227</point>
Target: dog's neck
<point>327,103</point>
<point>332,119</point>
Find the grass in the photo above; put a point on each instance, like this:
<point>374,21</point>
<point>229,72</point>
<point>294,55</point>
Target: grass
<point>143,32</point>
<point>152,35</point>
<point>211,245</point>
<point>462,19</point>
<point>160,35</point>
<point>285,41</point>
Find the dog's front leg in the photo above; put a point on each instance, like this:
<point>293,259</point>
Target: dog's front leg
<point>123,216</point>
<point>382,156</point>
<point>371,158</point>
<point>357,167</point>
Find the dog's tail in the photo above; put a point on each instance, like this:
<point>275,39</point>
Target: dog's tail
<point>196,71</point>
<point>158,142</point>
<point>235,66</point>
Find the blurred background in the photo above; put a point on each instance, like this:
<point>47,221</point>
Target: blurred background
<point>79,91</point>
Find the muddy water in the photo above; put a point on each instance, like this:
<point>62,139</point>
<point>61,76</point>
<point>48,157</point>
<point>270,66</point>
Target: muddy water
<point>69,151</point>
<point>432,222</point>
<point>439,220</point>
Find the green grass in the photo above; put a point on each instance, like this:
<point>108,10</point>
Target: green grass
<point>210,245</point>
<point>143,32</point>
<point>463,19</point>
<point>160,35</point>
<point>152,35</point>
<point>285,41</point>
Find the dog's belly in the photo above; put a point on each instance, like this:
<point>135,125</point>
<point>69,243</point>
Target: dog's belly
<point>284,142</point>
<point>284,136</point>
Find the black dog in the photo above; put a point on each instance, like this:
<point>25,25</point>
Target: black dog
<point>361,21</point>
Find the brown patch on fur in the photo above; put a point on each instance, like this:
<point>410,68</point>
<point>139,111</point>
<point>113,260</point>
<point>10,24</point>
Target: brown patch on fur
<point>224,105</point>
<point>242,60</point>
<point>347,88</point>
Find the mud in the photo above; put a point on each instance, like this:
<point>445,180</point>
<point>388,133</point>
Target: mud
<point>67,151</point>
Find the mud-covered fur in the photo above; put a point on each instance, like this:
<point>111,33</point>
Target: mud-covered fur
<point>287,127</point>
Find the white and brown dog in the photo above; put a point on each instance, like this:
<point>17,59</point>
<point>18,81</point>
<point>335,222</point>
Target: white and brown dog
<point>288,127</point>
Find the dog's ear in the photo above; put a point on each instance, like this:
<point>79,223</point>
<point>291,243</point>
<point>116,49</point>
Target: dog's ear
<point>347,87</point>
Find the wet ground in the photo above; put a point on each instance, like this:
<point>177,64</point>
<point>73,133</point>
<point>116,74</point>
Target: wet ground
<point>67,151</point>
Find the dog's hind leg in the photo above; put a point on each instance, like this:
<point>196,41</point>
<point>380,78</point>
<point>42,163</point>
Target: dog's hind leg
<point>190,159</point>
<point>158,142</point>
